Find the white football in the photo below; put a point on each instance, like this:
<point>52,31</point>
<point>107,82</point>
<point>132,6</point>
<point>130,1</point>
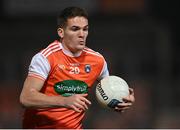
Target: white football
<point>110,91</point>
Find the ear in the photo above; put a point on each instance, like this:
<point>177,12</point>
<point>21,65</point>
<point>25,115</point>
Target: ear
<point>60,32</point>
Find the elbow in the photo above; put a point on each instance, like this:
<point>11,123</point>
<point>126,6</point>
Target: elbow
<point>24,101</point>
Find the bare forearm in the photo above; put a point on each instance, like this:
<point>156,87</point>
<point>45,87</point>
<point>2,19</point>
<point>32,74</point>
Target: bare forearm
<point>32,97</point>
<point>39,100</point>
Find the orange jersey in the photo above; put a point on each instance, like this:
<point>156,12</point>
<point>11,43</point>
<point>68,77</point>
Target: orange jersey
<point>63,74</point>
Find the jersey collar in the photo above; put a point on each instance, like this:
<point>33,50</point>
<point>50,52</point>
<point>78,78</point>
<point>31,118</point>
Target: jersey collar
<point>69,53</point>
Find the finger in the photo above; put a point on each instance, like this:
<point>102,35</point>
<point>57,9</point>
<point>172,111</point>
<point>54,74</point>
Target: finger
<point>85,100</point>
<point>131,91</point>
<point>129,99</point>
<point>84,95</point>
<point>76,109</point>
<point>118,110</point>
<point>122,108</point>
<point>78,105</point>
<point>126,99</point>
<point>84,104</point>
<point>124,104</point>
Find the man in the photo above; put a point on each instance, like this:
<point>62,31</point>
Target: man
<point>56,88</point>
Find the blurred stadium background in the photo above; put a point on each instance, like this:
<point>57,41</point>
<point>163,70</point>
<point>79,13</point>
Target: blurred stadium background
<point>139,39</point>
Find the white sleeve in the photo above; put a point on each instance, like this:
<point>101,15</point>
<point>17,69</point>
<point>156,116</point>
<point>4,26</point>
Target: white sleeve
<point>39,66</point>
<point>104,71</point>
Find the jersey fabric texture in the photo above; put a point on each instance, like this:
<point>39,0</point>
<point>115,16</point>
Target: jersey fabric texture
<point>54,65</point>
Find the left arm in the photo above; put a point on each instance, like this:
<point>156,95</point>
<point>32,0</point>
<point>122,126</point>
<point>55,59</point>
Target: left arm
<point>128,102</point>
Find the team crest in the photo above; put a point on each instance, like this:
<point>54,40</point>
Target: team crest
<point>87,68</point>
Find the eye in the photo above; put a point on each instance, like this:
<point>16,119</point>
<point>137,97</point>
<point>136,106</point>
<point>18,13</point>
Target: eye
<point>74,28</point>
<point>85,29</point>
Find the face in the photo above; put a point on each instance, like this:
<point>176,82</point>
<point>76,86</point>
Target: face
<point>74,34</point>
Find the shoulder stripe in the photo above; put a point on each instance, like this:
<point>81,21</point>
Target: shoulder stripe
<point>48,47</point>
<point>51,48</point>
<point>51,51</point>
<point>88,49</point>
<point>93,53</point>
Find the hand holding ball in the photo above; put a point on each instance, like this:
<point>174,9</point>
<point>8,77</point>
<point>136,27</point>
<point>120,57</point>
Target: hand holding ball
<point>110,91</point>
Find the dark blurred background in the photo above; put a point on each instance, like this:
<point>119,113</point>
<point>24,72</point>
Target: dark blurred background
<point>139,39</point>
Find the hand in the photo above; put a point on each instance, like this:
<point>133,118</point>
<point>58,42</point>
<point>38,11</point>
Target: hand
<point>77,102</point>
<point>127,102</point>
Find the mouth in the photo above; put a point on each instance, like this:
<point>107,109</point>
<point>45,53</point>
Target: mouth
<point>81,42</point>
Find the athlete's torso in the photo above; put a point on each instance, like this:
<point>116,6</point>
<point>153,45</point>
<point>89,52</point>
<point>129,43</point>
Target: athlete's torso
<point>64,75</point>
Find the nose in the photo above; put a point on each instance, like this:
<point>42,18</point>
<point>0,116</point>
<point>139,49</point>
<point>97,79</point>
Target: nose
<point>81,33</point>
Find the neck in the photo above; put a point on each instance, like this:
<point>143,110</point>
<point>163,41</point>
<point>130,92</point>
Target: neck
<point>70,52</point>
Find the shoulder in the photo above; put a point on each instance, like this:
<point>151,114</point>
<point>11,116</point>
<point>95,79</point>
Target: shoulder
<point>93,53</point>
<point>94,56</point>
<point>51,48</point>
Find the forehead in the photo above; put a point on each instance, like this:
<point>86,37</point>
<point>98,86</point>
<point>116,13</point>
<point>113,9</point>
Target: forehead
<point>77,21</point>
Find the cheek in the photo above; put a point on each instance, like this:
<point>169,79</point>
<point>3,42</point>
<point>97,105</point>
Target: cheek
<point>69,36</point>
<point>86,34</point>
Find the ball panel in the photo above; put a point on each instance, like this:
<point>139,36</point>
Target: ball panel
<point>111,90</point>
<point>113,103</point>
<point>101,97</point>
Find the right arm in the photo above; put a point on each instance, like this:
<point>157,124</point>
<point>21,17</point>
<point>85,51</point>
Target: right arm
<point>32,97</point>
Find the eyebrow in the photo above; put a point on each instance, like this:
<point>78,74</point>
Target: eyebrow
<point>80,27</point>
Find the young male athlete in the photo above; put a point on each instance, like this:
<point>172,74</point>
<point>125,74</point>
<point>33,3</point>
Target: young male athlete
<point>56,88</point>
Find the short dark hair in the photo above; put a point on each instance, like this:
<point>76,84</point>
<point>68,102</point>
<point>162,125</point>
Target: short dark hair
<point>70,12</point>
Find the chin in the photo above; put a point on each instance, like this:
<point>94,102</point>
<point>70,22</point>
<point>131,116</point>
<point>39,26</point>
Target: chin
<point>80,47</point>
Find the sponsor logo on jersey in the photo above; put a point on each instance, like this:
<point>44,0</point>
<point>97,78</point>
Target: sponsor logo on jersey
<point>74,64</point>
<point>70,87</point>
<point>87,68</point>
<point>62,67</point>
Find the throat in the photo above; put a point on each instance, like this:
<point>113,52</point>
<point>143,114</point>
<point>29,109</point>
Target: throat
<point>71,52</point>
